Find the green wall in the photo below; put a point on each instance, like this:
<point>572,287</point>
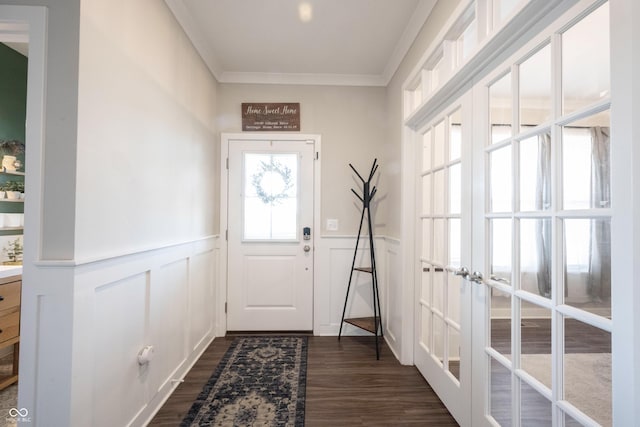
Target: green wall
<point>13,93</point>
<point>13,108</point>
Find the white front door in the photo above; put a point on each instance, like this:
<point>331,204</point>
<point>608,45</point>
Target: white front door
<point>270,246</point>
<point>443,296</point>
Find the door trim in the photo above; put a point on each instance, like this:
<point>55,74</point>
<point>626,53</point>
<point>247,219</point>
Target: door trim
<point>225,140</point>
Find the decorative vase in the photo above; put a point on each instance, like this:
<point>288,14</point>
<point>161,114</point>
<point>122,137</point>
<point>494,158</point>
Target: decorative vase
<point>8,163</point>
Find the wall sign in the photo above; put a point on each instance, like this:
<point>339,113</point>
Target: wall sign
<point>270,116</point>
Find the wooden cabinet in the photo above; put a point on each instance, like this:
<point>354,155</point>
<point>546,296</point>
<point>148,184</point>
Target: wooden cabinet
<point>10,290</point>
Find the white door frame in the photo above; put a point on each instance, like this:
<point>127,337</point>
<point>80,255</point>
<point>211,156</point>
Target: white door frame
<point>225,140</point>
<point>29,24</point>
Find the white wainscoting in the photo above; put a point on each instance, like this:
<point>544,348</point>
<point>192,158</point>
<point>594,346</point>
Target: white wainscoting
<point>83,370</point>
<point>334,256</point>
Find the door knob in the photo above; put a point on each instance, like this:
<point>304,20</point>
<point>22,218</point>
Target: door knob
<point>476,276</point>
<point>462,271</point>
<point>307,248</point>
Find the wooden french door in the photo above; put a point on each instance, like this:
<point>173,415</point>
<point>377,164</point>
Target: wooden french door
<point>442,347</point>
<point>542,230</point>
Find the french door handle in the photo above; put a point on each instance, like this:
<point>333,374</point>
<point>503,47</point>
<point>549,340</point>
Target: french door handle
<point>476,277</point>
<point>462,271</point>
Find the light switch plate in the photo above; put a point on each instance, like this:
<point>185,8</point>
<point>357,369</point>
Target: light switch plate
<point>332,225</point>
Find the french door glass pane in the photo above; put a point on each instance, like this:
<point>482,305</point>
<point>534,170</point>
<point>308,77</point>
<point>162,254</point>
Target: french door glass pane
<point>535,256</point>
<point>535,89</point>
<point>453,297</point>
<point>425,294</point>
<point>455,193</point>
<point>427,225</point>
<point>503,8</point>
<point>500,393</point>
<point>501,177</point>
<point>535,341</point>
<point>501,240</point>
<point>453,358</point>
<point>585,61</point>
<point>425,336</point>
<point>455,242</point>
<point>270,196</point>
<point>426,194</point>
<point>535,409</point>
<point>586,165</point>
<point>587,369</point>
<point>426,151</point>
<point>439,144</point>
<point>455,135</point>
<point>535,173</point>
<point>500,108</point>
<point>438,289</point>
<point>500,306</point>
<point>439,233</point>
<point>587,264</point>
<point>438,337</point>
<point>439,190</point>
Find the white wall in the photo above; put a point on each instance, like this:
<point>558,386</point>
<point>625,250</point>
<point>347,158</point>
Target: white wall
<point>351,121</point>
<point>146,141</point>
<point>127,256</point>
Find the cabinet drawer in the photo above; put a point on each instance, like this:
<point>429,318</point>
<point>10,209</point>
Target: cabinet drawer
<point>10,295</point>
<point>9,326</point>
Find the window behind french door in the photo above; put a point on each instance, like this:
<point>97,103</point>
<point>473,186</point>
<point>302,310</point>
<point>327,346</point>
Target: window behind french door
<point>546,227</point>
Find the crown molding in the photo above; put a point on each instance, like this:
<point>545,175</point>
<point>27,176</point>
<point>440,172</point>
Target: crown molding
<point>194,34</point>
<point>417,21</point>
<point>302,79</point>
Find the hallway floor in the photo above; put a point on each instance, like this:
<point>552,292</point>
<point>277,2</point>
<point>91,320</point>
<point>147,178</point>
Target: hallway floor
<point>346,386</point>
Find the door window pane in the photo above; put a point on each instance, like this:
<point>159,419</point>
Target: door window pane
<point>455,242</point>
<point>535,89</point>
<point>439,144</point>
<point>439,233</point>
<point>501,322</point>
<point>453,298</point>
<point>501,241</point>
<point>454,360</point>
<point>425,336</point>
<point>425,294</point>
<point>585,61</point>
<point>535,256</point>
<point>587,264</point>
<point>455,135</point>
<point>501,178</point>
<point>535,409</point>
<point>426,194</point>
<point>587,369</point>
<point>500,108</point>
<point>427,225</point>
<point>270,196</point>
<point>426,151</point>
<point>535,341</point>
<point>455,189</point>
<point>500,393</point>
<point>535,173</point>
<point>439,190</point>
<point>586,165</point>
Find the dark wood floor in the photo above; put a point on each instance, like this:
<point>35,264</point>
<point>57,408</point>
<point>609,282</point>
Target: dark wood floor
<point>346,386</point>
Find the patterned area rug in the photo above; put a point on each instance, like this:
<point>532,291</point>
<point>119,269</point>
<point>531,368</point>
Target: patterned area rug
<point>260,381</point>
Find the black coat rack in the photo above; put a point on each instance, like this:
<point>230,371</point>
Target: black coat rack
<point>371,324</point>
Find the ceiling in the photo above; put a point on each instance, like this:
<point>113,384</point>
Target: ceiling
<point>332,42</point>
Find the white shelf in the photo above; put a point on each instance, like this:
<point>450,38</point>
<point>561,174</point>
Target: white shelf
<point>12,200</point>
<point>6,172</point>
